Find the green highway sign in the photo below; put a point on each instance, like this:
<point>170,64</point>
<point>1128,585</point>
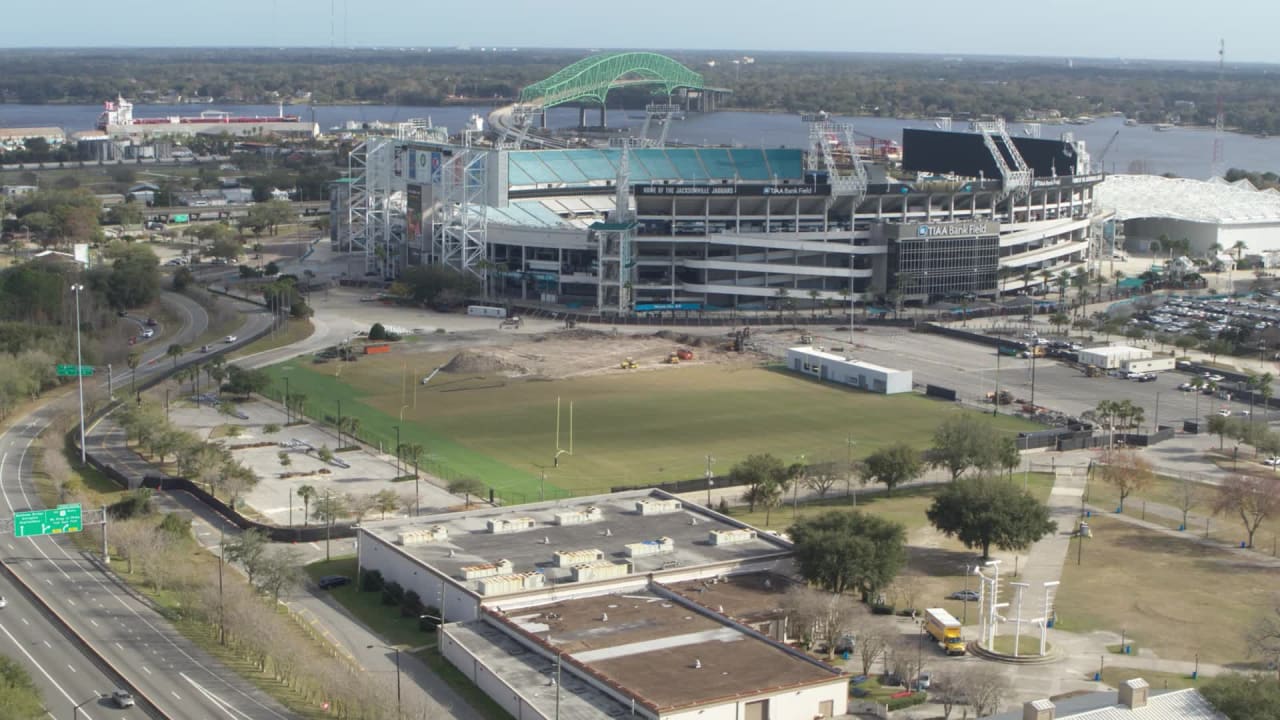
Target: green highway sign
<point>74,370</point>
<point>62,519</point>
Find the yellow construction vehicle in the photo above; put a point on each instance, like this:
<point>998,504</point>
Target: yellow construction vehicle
<point>629,364</point>
<point>673,358</point>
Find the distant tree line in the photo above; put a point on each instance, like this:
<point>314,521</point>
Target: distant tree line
<point>862,84</point>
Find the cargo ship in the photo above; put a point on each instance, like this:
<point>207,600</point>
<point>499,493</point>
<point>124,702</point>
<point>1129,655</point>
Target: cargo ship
<point>117,119</point>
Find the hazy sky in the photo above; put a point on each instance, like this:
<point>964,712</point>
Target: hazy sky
<point>1169,29</point>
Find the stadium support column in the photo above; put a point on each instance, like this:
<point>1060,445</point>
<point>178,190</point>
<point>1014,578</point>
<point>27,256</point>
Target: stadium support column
<point>604,123</point>
<point>582,116</point>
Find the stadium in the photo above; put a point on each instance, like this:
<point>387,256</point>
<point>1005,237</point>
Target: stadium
<point>643,226</point>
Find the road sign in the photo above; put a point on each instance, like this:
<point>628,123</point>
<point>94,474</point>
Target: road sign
<point>74,370</point>
<point>62,519</point>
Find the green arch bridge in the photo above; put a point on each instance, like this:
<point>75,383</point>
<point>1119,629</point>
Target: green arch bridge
<point>591,79</point>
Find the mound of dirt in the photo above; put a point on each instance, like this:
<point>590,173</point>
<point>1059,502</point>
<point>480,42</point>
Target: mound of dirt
<point>687,339</point>
<point>469,362</point>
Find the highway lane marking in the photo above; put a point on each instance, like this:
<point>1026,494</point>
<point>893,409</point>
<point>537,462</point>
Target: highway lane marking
<point>221,704</point>
<point>146,670</point>
<point>70,667</point>
<point>46,644</point>
<point>73,602</point>
<point>24,621</point>
<point>94,622</point>
<point>118,645</point>
<point>40,667</point>
<point>171,692</point>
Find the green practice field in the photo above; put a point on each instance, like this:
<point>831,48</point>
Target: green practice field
<point>628,428</point>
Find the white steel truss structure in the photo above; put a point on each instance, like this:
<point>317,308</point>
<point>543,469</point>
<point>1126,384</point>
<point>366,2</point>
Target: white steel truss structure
<point>1016,179</point>
<point>834,144</point>
<point>376,210</point>
<point>459,234</point>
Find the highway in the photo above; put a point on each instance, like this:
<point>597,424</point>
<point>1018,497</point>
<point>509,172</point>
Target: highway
<point>179,678</point>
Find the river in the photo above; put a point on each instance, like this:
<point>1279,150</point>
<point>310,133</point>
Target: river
<point>1186,152</point>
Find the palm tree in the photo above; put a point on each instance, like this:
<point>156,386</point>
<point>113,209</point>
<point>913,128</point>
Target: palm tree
<point>1239,247</point>
<point>813,303</point>
<point>1059,320</point>
<point>174,351</point>
<point>306,492</point>
<point>216,373</point>
<point>353,426</point>
<point>1026,280</point>
<point>1064,278</point>
<point>781,294</point>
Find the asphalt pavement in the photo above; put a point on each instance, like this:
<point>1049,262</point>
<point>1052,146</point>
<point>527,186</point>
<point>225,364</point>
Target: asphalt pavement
<point>125,630</point>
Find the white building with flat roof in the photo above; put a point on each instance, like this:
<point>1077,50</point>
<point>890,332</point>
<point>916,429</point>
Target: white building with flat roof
<point>1113,357</point>
<point>843,370</point>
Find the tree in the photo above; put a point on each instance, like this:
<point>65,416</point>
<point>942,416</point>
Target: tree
<point>984,511</point>
<point>250,550</point>
<point>984,688</point>
<point>467,486</point>
<point>755,471</point>
<point>821,617</point>
<point>1187,499</point>
<point>325,454</point>
<point>1254,499</point>
<point>280,571</point>
<point>841,551</point>
<point>329,508</point>
<point>243,382</point>
<point>961,442</point>
<point>227,248</point>
<point>873,640</point>
<point>1127,472</point>
<point>285,460</point>
<point>821,476</point>
<point>174,351</point>
<point>767,495</point>
<point>892,465</point>
<point>19,696</point>
<point>1220,426</point>
<point>306,492</point>
<point>385,501</point>
<point>1243,697</point>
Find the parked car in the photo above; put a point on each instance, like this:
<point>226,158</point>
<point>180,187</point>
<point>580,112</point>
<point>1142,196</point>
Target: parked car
<point>1147,377</point>
<point>148,332</point>
<point>923,681</point>
<point>230,339</point>
<point>206,348</point>
<point>1272,461</point>
<point>151,322</point>
<point>1224,412</point>
<point>329,582</point>
<point>969,595</point>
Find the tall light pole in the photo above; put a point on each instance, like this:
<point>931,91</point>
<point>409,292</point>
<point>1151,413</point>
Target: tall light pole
<point>396,650</point>
<point>75,711</point>
<point>710,480</point>
<point>397,428</point>
<point>76,288</point>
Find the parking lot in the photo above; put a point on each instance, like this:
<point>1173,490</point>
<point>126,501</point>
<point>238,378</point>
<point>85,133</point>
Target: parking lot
<point>974,370</point>
<point>1208,318</point>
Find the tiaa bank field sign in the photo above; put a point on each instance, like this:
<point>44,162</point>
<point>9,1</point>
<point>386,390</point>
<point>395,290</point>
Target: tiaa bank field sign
<point>930,231</point>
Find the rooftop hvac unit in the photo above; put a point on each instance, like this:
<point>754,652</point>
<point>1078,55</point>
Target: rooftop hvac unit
<point>475,572</point>
<point>569,558</point>
<point>502,526</point>
<point>422,536</point>
<point>515,582</point>
<point>730,537</point>
<point>579,517</point>
<point>657,507</point>
<point>600,570</point>
<point>661,546</point>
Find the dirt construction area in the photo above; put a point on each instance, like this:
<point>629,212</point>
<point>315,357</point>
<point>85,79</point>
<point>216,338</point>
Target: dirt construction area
<point>579,353</point>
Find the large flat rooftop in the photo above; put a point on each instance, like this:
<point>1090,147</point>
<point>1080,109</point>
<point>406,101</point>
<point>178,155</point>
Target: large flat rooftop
<point>749,597</point>
<point>467,540</point>
<point>664,652</point>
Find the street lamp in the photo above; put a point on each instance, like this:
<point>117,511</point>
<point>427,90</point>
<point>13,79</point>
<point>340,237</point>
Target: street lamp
<point>710,479</point>
<point>76,288</point>
<point>397,428</point>
<point>75,711</point>
<point>396,650</point>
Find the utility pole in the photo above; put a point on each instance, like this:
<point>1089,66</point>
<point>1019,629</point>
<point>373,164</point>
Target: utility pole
<point>222,627</point>
<point>995,405</point>
<point>76,288</point>
<point>710,480</point>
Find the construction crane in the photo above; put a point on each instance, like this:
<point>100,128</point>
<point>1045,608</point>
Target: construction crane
<point>1097,164</point>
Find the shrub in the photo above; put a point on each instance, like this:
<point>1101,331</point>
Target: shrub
<point>134,504</point>
<point>392,594</point>
<point>377,332</point>
<point>370,580</point>
<point>412,606</point>
<point>723,507</point>
<point>270,428</point>
<point>176,525</point>
<point>881,609</point>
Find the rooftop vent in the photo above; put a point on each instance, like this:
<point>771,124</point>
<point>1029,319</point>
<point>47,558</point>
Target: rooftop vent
<point>697,664</point>
<point>1133,693</point>
<point>1038,710</point>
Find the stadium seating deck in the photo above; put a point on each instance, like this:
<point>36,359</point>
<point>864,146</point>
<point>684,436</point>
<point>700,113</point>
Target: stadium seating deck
<point>584,167</point>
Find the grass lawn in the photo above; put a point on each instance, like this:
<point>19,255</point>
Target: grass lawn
<point>502,430</point>
<point>935,564</point>
<point>1113,676</point>
<point>1169,491</point>
<point>368,608</point>
<point>1028,644</point>
<point>1168,594</point>
<point>295,331</point>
